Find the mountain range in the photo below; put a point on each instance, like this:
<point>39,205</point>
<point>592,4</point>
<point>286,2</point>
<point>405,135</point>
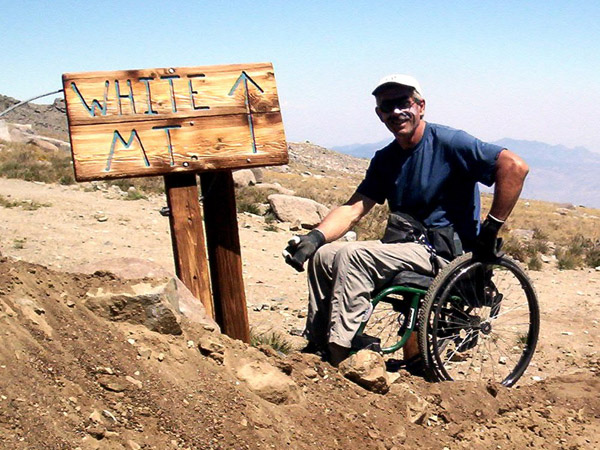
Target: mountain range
<point>557,173</point>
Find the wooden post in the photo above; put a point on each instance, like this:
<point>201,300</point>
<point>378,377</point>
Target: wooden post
<point>187,235</point>
<point>224,255</point>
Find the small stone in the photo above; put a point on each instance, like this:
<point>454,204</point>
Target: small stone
<point>536,378</point>
<point>70,303</point>
<point>105,370</point>
<point>310,373</point>
<point>144,352</point>
<point>111,385</point>
<point>161,357</point>
<point>131,341</point>
<point>190,344</point>
<point>134,445</point>
<point>133,381</point>
<point>567,333</point>
<point>96,416</point>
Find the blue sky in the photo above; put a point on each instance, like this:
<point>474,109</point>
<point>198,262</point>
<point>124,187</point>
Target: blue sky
<point>518,69</point>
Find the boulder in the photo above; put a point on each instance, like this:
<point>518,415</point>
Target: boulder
<point>288,208</point>
<point>4,131</point>
<point>367,369</point>
<point>268,382</point>
<point>43,144</point>
<point>175,292</point>
<point>243,178</point>
<point>276,187</point>
<point>258,174</point>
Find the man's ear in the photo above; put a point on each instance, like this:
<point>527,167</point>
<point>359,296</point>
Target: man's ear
<point>422,108</point>
<point>379,113</point>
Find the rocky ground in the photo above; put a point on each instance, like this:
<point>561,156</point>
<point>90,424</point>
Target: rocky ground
<point>75,376</point>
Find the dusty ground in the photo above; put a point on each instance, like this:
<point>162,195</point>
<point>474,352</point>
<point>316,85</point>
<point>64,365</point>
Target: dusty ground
<point>50,383</point>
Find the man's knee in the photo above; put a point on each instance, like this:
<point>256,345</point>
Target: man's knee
<point>352,253</point>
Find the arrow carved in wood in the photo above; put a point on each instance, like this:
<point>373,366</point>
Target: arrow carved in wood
<point>245,79</point>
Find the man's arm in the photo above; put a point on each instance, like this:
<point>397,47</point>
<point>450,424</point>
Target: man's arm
<point>333,226</point>
<point>344,217</point>
<point>511,171</point>
<point>510,175</point>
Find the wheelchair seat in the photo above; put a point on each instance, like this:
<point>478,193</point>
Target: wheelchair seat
<point>412,279</point>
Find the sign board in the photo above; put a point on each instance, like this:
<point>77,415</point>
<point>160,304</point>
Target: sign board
<point>138,123</point>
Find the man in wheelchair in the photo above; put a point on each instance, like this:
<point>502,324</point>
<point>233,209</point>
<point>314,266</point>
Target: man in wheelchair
<point>428,174</point>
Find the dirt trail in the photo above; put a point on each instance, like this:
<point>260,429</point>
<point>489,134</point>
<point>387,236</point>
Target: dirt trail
<point>50,383</point>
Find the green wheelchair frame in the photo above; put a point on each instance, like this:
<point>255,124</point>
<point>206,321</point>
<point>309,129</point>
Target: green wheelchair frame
<point>475,321</point>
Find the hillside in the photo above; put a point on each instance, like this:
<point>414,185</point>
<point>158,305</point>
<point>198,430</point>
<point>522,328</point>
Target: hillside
<point>49,120</point>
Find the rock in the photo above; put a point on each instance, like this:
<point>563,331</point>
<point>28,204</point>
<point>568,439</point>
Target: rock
<point>276,187</point>
<point>523,235</point>
<point>174,292</point>
<point>268,382</point>
<point>133,445</point>
<point>111,384</point>
<point>136,383</point>
<point>144,352</point>
<point>4,131</point>
<point>258,174</point>
<point>43,144</point>
<point>367,369</point>
<point>243,178</point>
<point>151,310</point>
<point>288,208</point>
<point>96,417</point>
<point>209,346</point>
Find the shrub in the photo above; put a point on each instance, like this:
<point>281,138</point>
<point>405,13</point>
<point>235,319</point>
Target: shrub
<point>535,263</point>
<point>273,339</point>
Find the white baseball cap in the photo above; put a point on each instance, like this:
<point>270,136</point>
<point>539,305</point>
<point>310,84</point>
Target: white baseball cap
<point>401,79</point>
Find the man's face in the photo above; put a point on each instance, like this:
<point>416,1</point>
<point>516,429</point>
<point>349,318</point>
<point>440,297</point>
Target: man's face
<point>398,111</point>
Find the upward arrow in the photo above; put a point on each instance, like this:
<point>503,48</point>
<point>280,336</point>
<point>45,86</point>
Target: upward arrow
<point>244,78</point>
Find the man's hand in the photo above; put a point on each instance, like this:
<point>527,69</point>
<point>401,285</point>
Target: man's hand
<point>487,244</point>
<point>301,248</point>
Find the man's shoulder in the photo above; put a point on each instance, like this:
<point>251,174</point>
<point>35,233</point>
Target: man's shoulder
<point>444,132</point>
<point>386,152</point>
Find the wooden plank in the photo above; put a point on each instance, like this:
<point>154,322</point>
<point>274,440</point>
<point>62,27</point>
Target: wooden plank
<point>224,254</point>
<point>157,121</point>
<point>165,146</point>
<point>187,234</point>
<point>155,96</point>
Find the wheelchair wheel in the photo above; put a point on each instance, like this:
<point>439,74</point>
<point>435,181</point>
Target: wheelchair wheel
<point>388,320</point>
<point>479,321</point>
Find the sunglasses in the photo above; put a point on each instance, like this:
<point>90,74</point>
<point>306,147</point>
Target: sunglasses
<point>390,105</point>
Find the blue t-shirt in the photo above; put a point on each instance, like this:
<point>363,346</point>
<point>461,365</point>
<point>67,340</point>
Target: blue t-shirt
<point>436,181</point>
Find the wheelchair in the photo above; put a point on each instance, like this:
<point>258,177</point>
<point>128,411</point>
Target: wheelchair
<point>475,320</point>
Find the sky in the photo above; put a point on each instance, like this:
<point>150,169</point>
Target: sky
<point>518,69</point>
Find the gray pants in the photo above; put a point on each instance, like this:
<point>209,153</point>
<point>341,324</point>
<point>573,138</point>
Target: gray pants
<point>342,277</point>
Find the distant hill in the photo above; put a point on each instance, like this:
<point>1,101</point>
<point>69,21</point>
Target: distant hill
<point>49,120</point>
<point>558,173</point>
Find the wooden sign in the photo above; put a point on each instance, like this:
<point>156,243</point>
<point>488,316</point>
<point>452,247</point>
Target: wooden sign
<point>138,123</point>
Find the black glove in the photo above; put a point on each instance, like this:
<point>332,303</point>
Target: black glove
<point>487,244</point>
<point>301,248</point>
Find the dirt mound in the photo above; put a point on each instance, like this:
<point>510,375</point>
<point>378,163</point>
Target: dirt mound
<point>71,377</point>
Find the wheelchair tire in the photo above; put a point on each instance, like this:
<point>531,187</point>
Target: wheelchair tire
<point>479,321</point>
